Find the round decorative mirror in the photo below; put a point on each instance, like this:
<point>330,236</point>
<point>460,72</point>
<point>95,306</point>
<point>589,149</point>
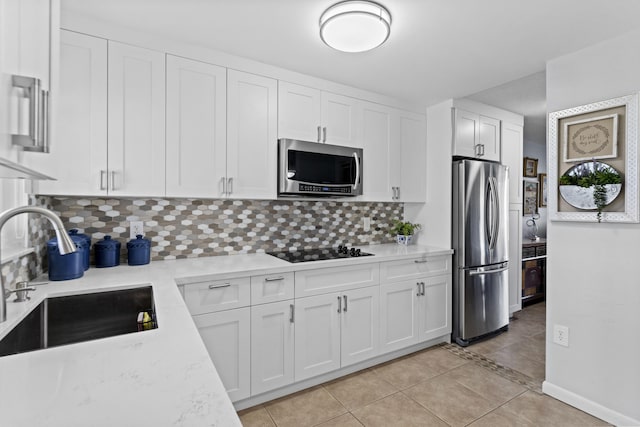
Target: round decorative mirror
<point>584,183</point>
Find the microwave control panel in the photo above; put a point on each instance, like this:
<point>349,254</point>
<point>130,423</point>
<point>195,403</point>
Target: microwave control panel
<point>323,189</point>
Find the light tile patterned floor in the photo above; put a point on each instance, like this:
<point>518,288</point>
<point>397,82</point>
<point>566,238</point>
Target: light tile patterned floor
<point>491,383</point>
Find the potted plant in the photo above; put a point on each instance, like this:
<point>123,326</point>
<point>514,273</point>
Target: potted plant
<point>404,231</point>
<point>590,185</point>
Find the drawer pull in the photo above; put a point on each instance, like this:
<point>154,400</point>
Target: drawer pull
<point>226,285</point>
<point>291,313</point>
<point>420,261</point>
<point>339,304</point>
<point>273,279</point>
<point>344,297</point>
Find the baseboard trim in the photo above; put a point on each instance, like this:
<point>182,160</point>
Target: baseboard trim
<point>588,406</point>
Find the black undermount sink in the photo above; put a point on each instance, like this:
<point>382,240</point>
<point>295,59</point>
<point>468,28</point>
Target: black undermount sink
<point>77,318</point>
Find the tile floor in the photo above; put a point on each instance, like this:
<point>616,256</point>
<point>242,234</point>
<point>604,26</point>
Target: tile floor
<point>491,383</point>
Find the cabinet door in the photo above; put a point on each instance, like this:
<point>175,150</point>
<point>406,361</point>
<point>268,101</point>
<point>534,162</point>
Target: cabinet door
<point>317,335</point>
<point>413,166</point>
<point>196,128</point>
<point>136,125</point>
<point>380,153</point>
<point>227,337</point>
<point>511,155</point>
<point>466,133</point>
<point>515,258</point>
<point>272,331</point>
<point>360,320</point>
<point>298,112</point>
<point>341,117</point>
<point>490,138</point>
<point>81,111</point>
<point>435,307</point>
<point>252,136</point>
<point>398,315</point>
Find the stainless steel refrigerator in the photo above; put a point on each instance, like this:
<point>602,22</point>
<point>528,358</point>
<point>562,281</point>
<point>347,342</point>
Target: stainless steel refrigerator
<point>480,240</point>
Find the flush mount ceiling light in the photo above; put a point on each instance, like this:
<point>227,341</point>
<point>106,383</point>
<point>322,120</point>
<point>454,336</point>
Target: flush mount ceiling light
<point>355,25</point>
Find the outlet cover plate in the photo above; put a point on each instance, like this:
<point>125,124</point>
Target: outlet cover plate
<point>135,228</point>
<point>561,335</point>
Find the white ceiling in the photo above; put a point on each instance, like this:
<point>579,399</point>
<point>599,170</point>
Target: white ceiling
<point>438,49</point>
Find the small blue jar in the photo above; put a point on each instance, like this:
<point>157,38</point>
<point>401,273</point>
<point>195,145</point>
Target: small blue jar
<point>107,252</point>
<point>138,251</point>
<point>64,267</point>
<point>82,241</point>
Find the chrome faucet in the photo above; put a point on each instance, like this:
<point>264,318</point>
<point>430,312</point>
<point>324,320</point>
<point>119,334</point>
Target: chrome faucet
<point>65,244</point>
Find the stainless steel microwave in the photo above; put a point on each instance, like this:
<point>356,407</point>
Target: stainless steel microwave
<point>314,169</point>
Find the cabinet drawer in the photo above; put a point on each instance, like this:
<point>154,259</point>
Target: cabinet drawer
<point>212,296</point>
<point>322,281</point>
<point>541,250</point>
<point>393,271</point>
<point>529,252</point>
<point>271,288</point>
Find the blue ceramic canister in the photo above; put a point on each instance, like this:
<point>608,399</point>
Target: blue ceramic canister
<point>65,267</point>
<point>138,251</point>
<point>82,241</point>
<point>107,252</point>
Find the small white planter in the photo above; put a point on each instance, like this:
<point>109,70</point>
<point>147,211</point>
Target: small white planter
<point>404,240</point>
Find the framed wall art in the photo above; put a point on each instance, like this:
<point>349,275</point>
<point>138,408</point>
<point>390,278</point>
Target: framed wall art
<point>530,199</point>
<point>530,167</point>
<point>542,197</point>
<point>589,145</point>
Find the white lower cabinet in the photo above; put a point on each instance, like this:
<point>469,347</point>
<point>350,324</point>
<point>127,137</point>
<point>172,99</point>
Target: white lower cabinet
<point>272,333</point>
<point>226,334</point>
<point>414,311</point>
<point>335,330</point>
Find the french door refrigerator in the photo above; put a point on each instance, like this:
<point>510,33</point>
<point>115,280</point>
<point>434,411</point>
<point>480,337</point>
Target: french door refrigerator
<point>480,240</point>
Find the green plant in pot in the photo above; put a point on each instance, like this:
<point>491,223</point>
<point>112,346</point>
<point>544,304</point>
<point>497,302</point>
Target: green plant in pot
<point>404,231</point>
<point>600,178</point>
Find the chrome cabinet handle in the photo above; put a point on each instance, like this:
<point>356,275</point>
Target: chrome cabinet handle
<point>224,185</point>
<point>339,304</point>
<point>102,174</point>
<point>291,313</point>
<point>344,297</point>
<point>423,288</point>
<point>229,186</point>
<point>226,285</point>
<point>113,180</point>
<point>324,134</point>
<point>398,196</point>
<point>418,285</point>
<point>273,279</point>
<point>482,149</point>
<point>420,261</point>
<point>45,121</point>
<point>318,133</point>
<point>393,196</point>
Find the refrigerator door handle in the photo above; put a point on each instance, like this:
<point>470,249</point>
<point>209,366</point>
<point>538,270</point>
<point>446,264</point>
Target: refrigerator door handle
<point>489,221</point>
<point>480,272</point>
<point>496,212</point>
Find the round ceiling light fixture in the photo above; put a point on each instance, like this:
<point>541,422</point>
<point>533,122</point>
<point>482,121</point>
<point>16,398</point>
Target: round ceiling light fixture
<point>355,25</point>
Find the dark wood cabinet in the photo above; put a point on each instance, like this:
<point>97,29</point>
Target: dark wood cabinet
<point>534,271</point>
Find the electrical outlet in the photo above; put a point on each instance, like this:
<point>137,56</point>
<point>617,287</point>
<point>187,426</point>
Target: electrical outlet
<point>366,224</point>
<point>561,335</point>
<point>135,228</point>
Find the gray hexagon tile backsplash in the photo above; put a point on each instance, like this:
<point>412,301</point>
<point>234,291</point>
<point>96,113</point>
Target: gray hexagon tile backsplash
<point>186,228</point>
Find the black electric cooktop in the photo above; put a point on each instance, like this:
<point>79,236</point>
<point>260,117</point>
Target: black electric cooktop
<point>319,254</point>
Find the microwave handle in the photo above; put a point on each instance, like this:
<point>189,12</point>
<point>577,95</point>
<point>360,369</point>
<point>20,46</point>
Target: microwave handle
<point>355,184</point>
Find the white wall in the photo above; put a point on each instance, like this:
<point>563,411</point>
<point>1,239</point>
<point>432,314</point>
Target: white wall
<point>536,151</point>
<point>593,278</point>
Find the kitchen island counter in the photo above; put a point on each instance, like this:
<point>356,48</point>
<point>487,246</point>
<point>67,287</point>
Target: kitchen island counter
<point>162,376</point>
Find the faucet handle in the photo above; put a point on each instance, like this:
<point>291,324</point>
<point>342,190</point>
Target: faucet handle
<point>22,292</point>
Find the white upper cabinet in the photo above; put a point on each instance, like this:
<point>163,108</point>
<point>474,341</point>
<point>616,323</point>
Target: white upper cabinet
<point>341,117</point>
<point>476,136</point>
<point>196,128</point>
<point>381,152</point>
<point>81,110</point>
<point>299,110</point>
<point>136,125</point>
<point>413,160</point>
<point>252,149</point>
<point>309,114</point>
<point>511,147</point>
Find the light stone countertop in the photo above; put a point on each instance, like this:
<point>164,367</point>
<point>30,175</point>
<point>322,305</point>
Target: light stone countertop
<point>159,377</point>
